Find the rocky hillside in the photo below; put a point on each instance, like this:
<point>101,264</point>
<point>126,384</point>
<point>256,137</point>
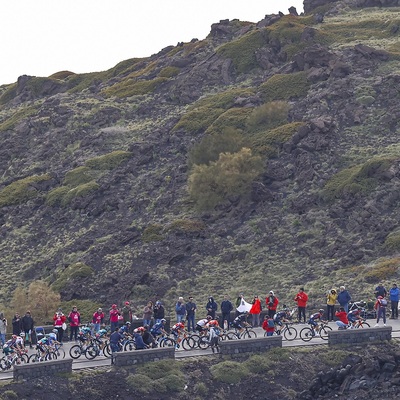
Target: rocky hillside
<point>112,186</point>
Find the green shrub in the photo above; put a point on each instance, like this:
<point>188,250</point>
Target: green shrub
<point>152,233</point>
<point>230,175</point>
<point>211,146</point>
<point>56,196</point>
<point>78,82</point>
<point>268,116</point>
<point>234,118</point>
<point>61,75</point>
<point>231,372</point>
<point>366,100</point>
<point>269,142</point>
<point>242,51</point>
<point>21,191</point>
<point>386,269</point>
<point>16,117</point>
<point>8,95</point>
<point>259,364</point>
<point>357,179</point>
<point>160,369</point>
<point>392,241</point>
<point>133,87</point>
<point>108,161</point>
<point>79,191</point>
<point>186,225</point>
<point>169,72</point>
<point>174,382</point>
<point>285,86</point>
<point>71,274</point>
<point>77,177</point>
<point>140,382</point>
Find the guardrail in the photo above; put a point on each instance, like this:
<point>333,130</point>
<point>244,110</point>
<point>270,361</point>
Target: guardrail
<point>40,369</point>
<point>256,345</point>
<point>361,335</point>
<point>134,357</point>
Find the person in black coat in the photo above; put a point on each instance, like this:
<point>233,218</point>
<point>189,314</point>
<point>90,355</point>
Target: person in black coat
<point>27,326</point>
<point>16,325</point>
<point>211,307</point>
<point>158,312</point>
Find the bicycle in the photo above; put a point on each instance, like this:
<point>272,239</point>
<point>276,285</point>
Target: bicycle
<point>307,333</point>
<point>288,332</point>
<point>245,333</point>
<point>11,359</point>
<point>164,341</point>
<point>360,323</point>
<point>43,354</point>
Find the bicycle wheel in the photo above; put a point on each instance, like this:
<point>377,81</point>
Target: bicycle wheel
<point>204,343</point>
<point>290,333</point>
<point>107,350</point>
<point>24,358</point>
<point>323,332</point>
<point>34,358</point>
<point>363,324</point>
<point>249,334</point>
<point>60,352</point>
<point>306,334</point>
<point>50,356</point>
<point>75,351</point>
<point>196,339</point>
<point>232,336</point>
<point>91,352</point>
<point>167,342</point>
<point>130,345</point>
<point>188,343</point>
<point>5,363</point>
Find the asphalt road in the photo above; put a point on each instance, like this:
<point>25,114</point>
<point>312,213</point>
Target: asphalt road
<point>102,361</point>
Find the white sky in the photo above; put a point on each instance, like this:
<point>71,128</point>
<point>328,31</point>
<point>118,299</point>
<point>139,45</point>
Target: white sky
<point>41,37</point>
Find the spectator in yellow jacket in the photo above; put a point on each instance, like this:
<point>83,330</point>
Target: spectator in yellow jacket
<point>331,298</point>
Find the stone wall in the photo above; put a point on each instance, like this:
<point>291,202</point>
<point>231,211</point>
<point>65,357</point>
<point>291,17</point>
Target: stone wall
<point>142,356</point>
<point>40,369</point>
<point>257,345</point>
<point>350,336</point>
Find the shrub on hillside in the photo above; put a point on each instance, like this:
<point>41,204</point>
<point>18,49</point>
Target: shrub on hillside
<point>108,161</point>
<point>229,371</point>
<point>268,116</point>
<point>77,176</point>
<point>392,241</point>
<point>383,270</point>
<point>230,175</point>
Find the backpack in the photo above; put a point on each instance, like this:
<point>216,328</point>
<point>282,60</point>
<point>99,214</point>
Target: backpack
<point>271,323</point>
<point>383,302</point>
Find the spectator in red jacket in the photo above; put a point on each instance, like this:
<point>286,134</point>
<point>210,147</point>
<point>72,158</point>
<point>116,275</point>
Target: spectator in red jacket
<point>255,311</point>
<point>97,319</point>
<point>301,298</point>
<point>59,323</point>
<point>343,322</point>
<point>74,319</point>
<point>114,314</point>
<point>272,303</point>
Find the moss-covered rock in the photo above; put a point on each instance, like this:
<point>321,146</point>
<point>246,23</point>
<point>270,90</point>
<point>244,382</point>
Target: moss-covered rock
<point>108,161</point>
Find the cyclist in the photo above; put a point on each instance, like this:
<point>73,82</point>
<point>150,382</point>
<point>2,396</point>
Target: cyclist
<point>353,316</point>
<point>115,344</point>
<point>148,338</point>
<point>280,318</point>
<point>178,330</point>
<point>268,325</point>
<point>201,325</point>
<point>138,335</point>
<point>314,318</point>
<point>214,335</point>
<point>125,328</point>
<point>343,321</point>
<point>159,328</point>
<point>239,322</point>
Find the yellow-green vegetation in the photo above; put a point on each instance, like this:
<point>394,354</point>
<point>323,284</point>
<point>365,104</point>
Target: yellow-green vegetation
<point>8,94</point>
<point>78,82</point>
<point>269,142</point>
<point>206,110</point>
<point>158,377</point>
<point>357,179</point>
<point>77,176</point>
<point>186,225</point>
<point>63,195</point>
<point>169,72</point>
<point>333,357</point>
<point>268,116</point>
<point>152,233</point>
<point>16,117</point>
<point>108,161</point>
<point>61,75</point>
<point>285,86</point>
<point>235,118</point>
<point>230,175</point>
<point>71,274</point>
<point>231,372</point>
<point>35,84</point>
<point>392,241</point>
<point>386,269</point>
<point>22,190</point>
<point>242,51</point>
<point>211,146</point>
<point>126,67</point>
<point>133,87</point>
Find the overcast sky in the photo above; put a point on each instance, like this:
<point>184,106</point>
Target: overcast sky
<point>41,37</point>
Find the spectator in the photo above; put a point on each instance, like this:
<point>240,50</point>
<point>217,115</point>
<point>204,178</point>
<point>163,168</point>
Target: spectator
<point>211,307</point>
<point>27,326</point>
<point>180,309</point>
<point>255,311</point>
<point>98,319</point>
<point>344,298</point>
<point>331,298</point>
<point>380,307</point>
<point>394,301</point>
<point>16,324</point>
<point>268,325</point>
<point>226,308</point>
<point>343,321</point>
<point>380,290</point>
<point>147,313</point>
<point>126,313</point>
<point>74,319</point>
<point>115,339</point>
<point>301,298</point>
<point>158,311</point>
<point>3,329</point>
<point>114,314</point>
<point>272,303</point>
<point>60,324</point>
<point>190,314</point>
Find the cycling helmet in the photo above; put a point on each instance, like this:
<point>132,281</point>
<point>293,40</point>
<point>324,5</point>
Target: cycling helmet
<point>141,329</point>
<point>146,326</point>
<point>380,297</point>
<point>127,303</point>
<point>53,336</point>
<point>127,323</point>
<point>114,306</point>
<point>163,320</point>
<point>14,336</point>
<point>321,310</point>
<point>55,331</point>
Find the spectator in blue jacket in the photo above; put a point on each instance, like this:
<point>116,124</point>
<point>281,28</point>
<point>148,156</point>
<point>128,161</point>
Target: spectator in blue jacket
<point>394,293</point>
<point>344,298</point>
<point>211,307</point>
<point>180,310</point>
